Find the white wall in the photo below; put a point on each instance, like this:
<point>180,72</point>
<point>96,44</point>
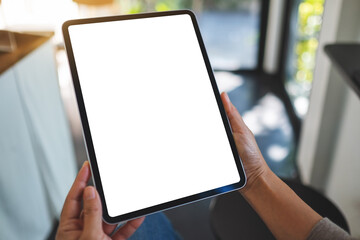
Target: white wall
<point>343,182</point>
<point>273,36</point>
<point>329,153</point>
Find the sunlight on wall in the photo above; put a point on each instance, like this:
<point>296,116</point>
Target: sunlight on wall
<point>277,153</point>
<point>228,81</point>
<point>267,115</point>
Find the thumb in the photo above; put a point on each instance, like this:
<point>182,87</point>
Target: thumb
<point>244,139</point>
<point>92,214</point>
<point>235,119</point>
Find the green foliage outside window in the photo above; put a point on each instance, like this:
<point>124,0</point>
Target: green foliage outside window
<point>309,24</point>
<point>137,6</point>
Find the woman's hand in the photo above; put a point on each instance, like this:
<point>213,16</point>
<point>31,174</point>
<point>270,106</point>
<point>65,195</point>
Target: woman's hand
<point>284,213</point>
<point>77,223</point>
<point>249,152</point>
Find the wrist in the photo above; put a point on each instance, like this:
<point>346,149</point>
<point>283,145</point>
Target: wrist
<point>257,183</point>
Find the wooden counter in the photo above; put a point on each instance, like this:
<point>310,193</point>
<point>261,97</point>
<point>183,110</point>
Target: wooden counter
<point>26,43</point>
<point>36,153</point>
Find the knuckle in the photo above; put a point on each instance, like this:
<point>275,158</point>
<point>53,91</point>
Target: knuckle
<point>87,236</point>
<point>92,235</point>
<point>90,209</point>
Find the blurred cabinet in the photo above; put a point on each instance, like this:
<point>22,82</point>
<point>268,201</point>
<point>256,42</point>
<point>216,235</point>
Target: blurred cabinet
<point>36,152</point>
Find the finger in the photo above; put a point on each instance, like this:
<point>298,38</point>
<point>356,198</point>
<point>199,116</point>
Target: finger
<point>108,228</point>
<point>128,229</point>
<point>72,204</point>
<point>236,121</point>
<point>82,215</point>
<point>244,139</point>
<point>92,212</point>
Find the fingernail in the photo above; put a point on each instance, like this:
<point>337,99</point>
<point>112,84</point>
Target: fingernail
<point>227,97</point>
<point>86,163</point>
<point>228,102</point>
<point>89,193</point>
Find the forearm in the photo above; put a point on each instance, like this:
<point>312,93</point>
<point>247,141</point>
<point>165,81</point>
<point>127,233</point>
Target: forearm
<point>285,214</point>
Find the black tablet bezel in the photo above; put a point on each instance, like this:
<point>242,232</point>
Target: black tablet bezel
<point>86,129</point>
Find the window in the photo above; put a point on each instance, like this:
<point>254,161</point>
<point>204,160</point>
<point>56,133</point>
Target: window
<point>230,28</point>
<point>303,46</point>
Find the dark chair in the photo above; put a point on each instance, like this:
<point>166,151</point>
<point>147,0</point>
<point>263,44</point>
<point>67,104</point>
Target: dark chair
<point>232,217</point>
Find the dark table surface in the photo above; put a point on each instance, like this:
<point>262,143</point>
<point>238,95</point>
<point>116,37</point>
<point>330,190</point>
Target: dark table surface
<point>346,57</point>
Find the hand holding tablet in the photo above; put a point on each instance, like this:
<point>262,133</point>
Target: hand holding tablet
<point>283,218</point>
<point>81,214</point>
<point>156,131</point>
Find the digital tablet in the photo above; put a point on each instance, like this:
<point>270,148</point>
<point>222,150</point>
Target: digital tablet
<point>156,131</point>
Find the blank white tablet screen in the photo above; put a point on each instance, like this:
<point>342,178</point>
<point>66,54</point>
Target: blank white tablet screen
<point>156,128</point>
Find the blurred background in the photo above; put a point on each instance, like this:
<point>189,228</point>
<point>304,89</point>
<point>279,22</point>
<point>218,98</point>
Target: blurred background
<point>267,54</point>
